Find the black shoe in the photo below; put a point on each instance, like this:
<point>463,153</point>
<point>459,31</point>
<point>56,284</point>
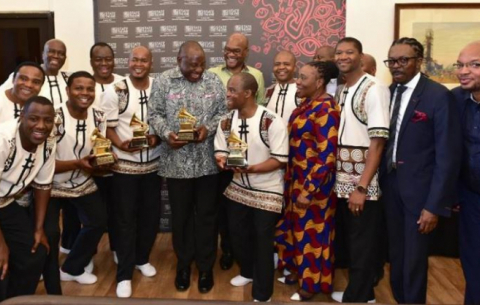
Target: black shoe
<point>226,261</point>
<point>205,281</point>
<point>182,280</point>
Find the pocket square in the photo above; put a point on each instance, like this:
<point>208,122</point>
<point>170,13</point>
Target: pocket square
<point>419,116</point>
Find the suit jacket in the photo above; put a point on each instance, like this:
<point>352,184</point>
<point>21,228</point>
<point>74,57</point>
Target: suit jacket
<point>428,149</point>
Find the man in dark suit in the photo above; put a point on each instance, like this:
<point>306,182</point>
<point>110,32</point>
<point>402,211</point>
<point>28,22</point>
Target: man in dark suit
<point>468,102</point>
<point>420,167</point>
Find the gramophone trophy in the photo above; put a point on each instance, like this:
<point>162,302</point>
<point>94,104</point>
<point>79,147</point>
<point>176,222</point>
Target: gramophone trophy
<point>140,130</point>
<point>237,148</point>
<point>101,149</point>
<point>187,125</point>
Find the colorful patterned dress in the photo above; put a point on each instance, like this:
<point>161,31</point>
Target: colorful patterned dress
<point>304,237</point>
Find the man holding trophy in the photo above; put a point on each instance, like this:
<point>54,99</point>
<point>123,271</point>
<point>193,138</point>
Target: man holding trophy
<point>186,105</point>
<point>253,142</point>
<point>73,184</point>
<point>136,185</point>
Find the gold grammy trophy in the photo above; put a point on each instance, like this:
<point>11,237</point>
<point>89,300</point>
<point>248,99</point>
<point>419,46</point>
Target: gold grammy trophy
<point>187,125</point>
<point>237,148</point>
<point>140,130</point>
<point>102,149</point>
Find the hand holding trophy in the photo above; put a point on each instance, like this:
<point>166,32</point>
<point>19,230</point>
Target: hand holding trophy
<point>140,130</point>
<point>237,147</point>
<point>187,126</point>
<point>102,149</point>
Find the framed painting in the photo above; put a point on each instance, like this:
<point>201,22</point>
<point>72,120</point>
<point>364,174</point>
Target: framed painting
<point>443,29</point>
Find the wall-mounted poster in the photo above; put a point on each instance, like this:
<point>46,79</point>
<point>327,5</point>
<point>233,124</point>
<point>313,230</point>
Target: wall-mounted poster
<point>443,29</point>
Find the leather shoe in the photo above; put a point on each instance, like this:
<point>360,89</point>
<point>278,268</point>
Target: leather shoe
<point>205,281</point>
<point>226,261</point>
<point>182,280</point>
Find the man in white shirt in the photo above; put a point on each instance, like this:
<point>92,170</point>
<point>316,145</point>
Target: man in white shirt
<point>135,179</point>
<point>28,79</point>
<point>362,134</point>
<point>282,96</point>
<point>27,158</point>
<point>256,191</point>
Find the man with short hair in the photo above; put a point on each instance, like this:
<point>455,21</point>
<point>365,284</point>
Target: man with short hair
<point>420,167</point>
<point>27,158</point>
<point>235,54</point>
<point>28,79</point>
<point>468,101</point>
<point>136,184</point>
<point>256,192</point>
<point>54,56</point>
<point>281,97</point>
<point>369,64</point>
<point>190,167</point>
<point>362,135</point>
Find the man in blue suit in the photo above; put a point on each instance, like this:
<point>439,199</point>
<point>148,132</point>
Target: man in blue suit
<point>468,102</point>
<point>420,167</point>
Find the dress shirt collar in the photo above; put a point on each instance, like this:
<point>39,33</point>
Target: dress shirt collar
<point>413,82</point>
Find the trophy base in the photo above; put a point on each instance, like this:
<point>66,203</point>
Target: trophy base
<point>105,159</point>
<point>237,162</point>
<point>188,136</point>
<point>140,142</point>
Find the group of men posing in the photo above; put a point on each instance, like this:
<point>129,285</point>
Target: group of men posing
<point>411,141</point>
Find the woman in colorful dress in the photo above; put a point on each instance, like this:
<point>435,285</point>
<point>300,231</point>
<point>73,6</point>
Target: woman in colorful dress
<point>305,233</point>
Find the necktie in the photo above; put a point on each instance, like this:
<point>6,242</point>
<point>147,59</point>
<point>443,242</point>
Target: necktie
<point>393,126</point>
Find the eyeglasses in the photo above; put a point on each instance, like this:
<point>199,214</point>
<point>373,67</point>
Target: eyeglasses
<point>469,65</point>
<point>401,61</point>
<point>233,51</point>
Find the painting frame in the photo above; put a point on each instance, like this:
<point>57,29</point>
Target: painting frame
<point>440,23</point>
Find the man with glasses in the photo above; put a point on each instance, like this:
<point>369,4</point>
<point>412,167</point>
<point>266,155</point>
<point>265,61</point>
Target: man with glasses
<point>420,167</point>
<point>235,54</point>
<point>468,100</point>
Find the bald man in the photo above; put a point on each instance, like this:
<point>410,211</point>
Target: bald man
<point>281,97</point>
<point>369,64</point>
<point>135,179</point>
<point>190,169</point>
<point>235,54</point>
<point>324,53</point>
<point>468,98</point>
<point>54,55</point>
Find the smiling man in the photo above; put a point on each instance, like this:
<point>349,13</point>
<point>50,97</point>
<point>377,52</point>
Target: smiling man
<point>28,79</point>
<point>27,158</point>
<point>190,167</point>
<point>362,135</point>
<point>468,103</point>
<point>54,56</point>
<point>420,167</point>
<point>136,184</point>
<point>281,97</point>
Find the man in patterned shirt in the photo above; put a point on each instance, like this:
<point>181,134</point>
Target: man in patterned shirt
<point>27,158</point>
<point>190,168</point>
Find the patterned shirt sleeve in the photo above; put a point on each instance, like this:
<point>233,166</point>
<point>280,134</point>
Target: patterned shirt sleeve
<point>109,104</point>
<point>377,108</point>
<point>324,151</point>
<point>157,108</point>
<point>44,178</point>
<point>278,140</point>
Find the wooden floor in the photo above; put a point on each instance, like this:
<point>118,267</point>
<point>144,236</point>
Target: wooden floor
<point>445,280</point>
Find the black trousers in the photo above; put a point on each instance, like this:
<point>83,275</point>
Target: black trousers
<point>252,233</point>
<point>92,213</point>
<point>408,249</point>
<point>137,219</point>
<point>363,245</point>
<point>51,274</point>
<point>104,185</point>
<point>24,267</point>
<point>71,225</point>
<point>194,220</point>
<point>225,177</point>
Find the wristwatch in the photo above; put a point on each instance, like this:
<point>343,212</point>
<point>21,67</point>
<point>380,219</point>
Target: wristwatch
<point>361,189</point>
